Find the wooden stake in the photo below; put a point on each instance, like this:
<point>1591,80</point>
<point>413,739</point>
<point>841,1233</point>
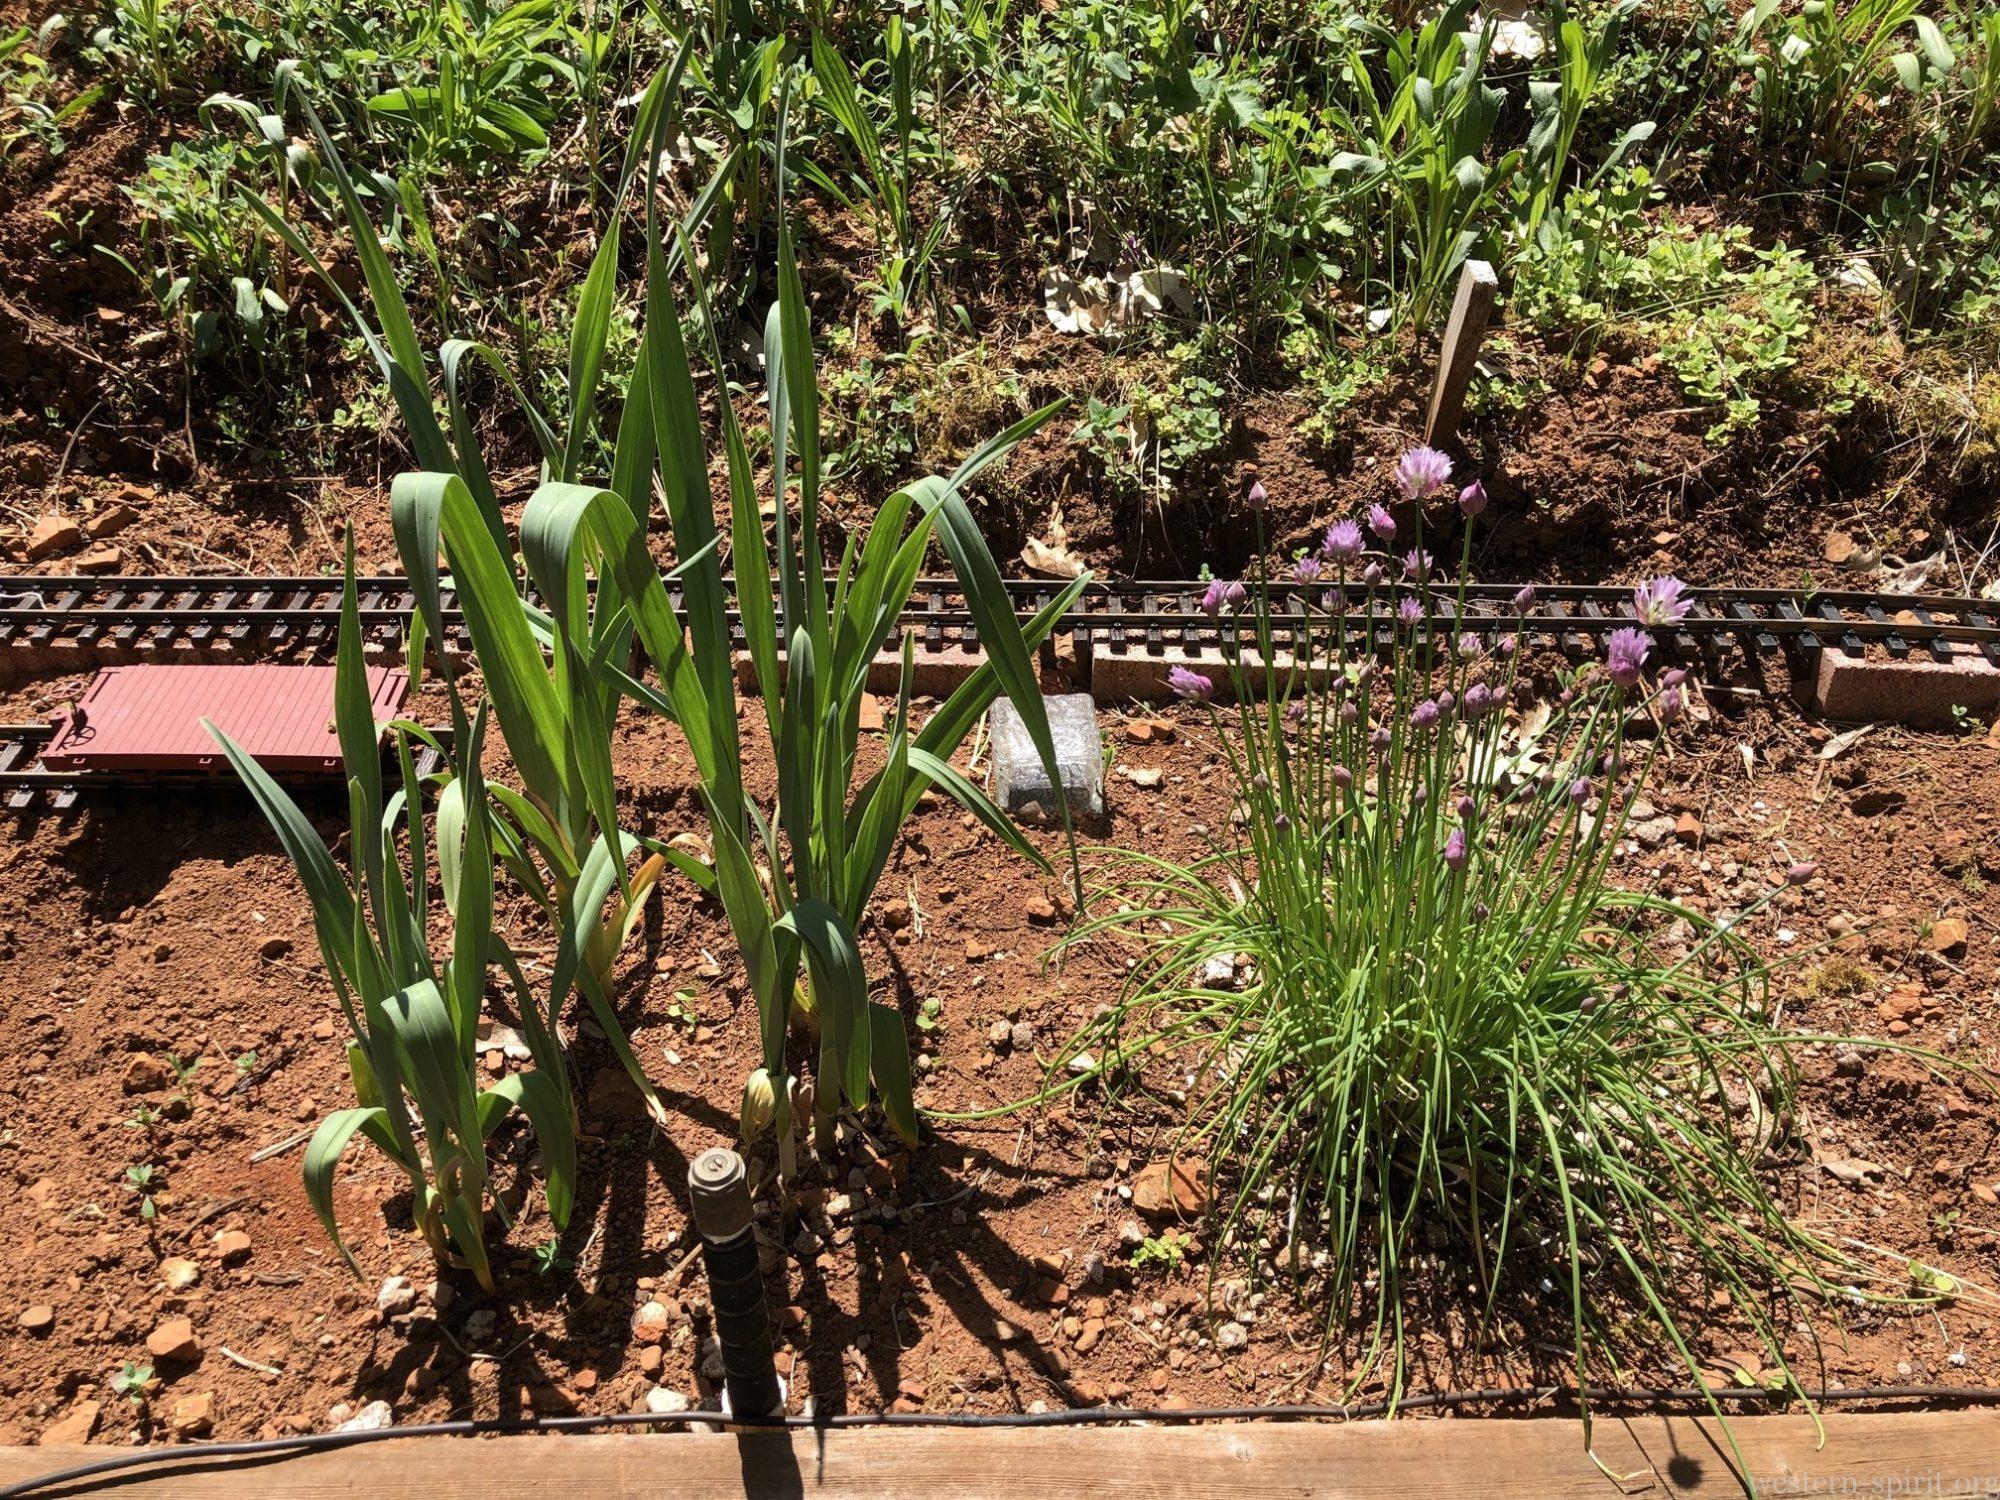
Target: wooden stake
<point>1477,287</point>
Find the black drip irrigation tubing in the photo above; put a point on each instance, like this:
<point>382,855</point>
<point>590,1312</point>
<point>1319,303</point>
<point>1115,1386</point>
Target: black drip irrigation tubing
<point>262,1449</point>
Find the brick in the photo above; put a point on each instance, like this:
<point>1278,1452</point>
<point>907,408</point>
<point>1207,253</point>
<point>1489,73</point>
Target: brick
<point>1916,690</point>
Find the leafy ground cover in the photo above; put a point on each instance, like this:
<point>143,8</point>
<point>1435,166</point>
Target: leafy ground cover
<point>1746,259</point>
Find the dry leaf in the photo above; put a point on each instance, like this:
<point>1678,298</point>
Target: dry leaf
<point>1907,578</point>
<point>1051,556</point>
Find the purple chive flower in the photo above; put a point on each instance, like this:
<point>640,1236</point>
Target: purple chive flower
<point>1410,612</point>
<point>1190,685</point>
<point>1480,911</point>
<point>1673,678</point>
<point>1672,706</point>
<point>1625,655</point>
<point>1350,712</point>
<point>1455,852</point>
<point>1425,716</point>
<point>1506,645</point>
<point>1306,570</point>
<point>1343,542</point>
<point>1524,598</point>
<point>1472,499</point>
<point>1281,822</point>
<point>1295,710</point>
<point>1381,523</point>
<point>1372,575</point>
<point>1379,741</point>
<point>1417,564</point>
<point>1466,808</point>
<point>1257,498</point>
<point>1579,790</point>
<point>1446,702</point>
<point>1660,601</point>
<point>1421,473</point>
<point>1801,873</point>
<point>1219,596</point>
<point>1469,645</point>
<point>1478,701</point>
<point>1364,678</point>
<point>1342,777</point>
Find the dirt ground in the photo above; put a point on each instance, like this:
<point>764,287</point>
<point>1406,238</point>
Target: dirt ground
<point>150,934</point>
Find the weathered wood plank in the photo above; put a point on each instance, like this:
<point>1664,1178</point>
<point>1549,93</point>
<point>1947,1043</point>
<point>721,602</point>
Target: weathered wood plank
<point>1478,286</point>
<point>1544,1459</point>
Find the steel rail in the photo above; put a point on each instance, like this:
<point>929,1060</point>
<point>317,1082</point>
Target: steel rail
<point>1152,616</point>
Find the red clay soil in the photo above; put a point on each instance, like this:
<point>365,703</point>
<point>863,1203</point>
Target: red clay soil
<point>991,1268</point>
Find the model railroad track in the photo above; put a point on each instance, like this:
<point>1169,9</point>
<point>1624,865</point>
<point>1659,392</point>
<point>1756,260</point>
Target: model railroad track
<point>47,621</point>
<point>24,780</point>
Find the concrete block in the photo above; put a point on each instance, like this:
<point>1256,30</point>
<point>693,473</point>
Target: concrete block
<point>1129,675</point>
<point>1917,690</point>
<point>1018,780</point>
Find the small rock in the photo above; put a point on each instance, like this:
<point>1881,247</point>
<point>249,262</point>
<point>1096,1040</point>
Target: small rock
<point>100,560</point>
<point>1039,909</point>
<point>1653,832</point>
<point>662,1401</point>
<point>1948,935</point>
<point>1837,548</point>
<point>174,1340</point>
<point>649,1323</point>
<point>1687,828</point>
<point>38,1319</point>
<point>53,534</point>
<point>194,1415</point>
<point>652,1359</point>
<point>231,1246</point>
<point>373,1416</point>
<point>396,1296</point>
<point>480,1323</point>
<point>111,520</point>
<point>894,915</point>
<point>1985,1193</point>
<point>1231,1336</point>
<point>146,1074</point>
<point>274,948</point>
<point>1021,1036</point>
<point>75,1428</point>
<point>1177,1189</point>
<point>1150,732</point>
<point>1000,1035</point>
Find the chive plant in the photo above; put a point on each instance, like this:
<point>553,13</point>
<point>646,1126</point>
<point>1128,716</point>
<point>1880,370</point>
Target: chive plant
<point>1440,1016</point>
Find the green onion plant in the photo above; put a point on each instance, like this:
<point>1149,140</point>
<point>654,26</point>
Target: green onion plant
<point>412,1016</point>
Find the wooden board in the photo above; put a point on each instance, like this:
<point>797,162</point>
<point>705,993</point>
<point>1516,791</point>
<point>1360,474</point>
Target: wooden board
<point>1948,1453</point>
